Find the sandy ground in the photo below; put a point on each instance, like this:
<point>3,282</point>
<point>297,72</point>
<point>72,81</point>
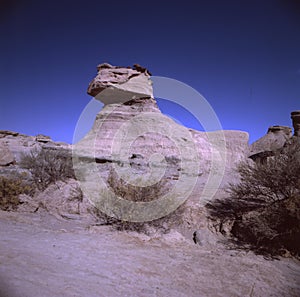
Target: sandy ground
<point>42,256</point>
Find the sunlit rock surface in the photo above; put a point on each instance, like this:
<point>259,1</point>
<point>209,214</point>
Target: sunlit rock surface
<point>114,84</point>
<point>133,141</point>
<point>275,139</point>
<point>14,145</point>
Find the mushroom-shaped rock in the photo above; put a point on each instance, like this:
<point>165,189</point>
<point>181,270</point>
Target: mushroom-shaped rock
<point>273,140</point>
<point>42,138</point>
<point>295,115</point>
<point>114,84</point>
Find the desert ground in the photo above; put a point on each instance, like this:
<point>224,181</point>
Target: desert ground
<point>41,255</point>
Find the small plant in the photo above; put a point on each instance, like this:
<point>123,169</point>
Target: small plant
<point>10,189</point>
<point>48,166</point>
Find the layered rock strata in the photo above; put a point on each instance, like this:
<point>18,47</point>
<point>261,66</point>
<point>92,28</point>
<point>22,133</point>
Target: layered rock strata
<point>137,152</point>
<point>114,84</point>
<point>133,141</point>
<point>14,145</point>
<point>275,139</point>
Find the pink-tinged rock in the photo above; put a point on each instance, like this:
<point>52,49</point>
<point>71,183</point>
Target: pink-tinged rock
<point>273,140</point>
<point>114,84</point>
<point>6,156</point>
<point>295,115</point>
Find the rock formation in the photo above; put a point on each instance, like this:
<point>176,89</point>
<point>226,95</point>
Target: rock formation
<point>133,143</point>
<point>275,140</point>
<point>6,157</point>
<point>130,140</point>
<point>295,115</point>
<point>132,137</point>
<point>115,84</point>
<point>15,144</point>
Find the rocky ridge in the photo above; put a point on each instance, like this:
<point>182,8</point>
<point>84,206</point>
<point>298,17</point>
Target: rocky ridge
<point>132,138</point>
<point>275,140</point>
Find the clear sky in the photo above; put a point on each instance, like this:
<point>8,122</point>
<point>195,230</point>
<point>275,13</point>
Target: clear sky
<point>242,56</point>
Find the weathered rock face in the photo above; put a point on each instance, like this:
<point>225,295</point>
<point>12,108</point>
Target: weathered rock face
<point>141,114</point>
<point>6,157</point>
<point>61,199</point>
<point>43,138</point>
<point>280,129</point>
<point>13,145</point>
<point>120,84</point>
<point>295,115</point>
<point>132,142</point>
<point>132,137</point>
<point>64,199</point>
<point>275,139</point>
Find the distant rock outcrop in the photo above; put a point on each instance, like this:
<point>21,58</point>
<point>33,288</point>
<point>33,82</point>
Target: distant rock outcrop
<point>295,115</point>
<point>16,144</point>
<point>275,140</point>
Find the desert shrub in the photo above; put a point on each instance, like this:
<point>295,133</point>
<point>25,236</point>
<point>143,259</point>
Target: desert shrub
<point>272,230</point>
<point>130,192</point>
<point>162,225</point>
<point>10,189</point>
<point>264,207</point>
<point>48,166</point>
<point>123,188</point>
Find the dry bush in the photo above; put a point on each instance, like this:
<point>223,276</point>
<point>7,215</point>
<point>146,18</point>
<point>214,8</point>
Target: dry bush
<point>275,179</point>
<point>131,192</point>
<point>162,225</point>
<point>10,189</point>
<point>264,207</point>
<point>48,166</point>
<point>141,194</point>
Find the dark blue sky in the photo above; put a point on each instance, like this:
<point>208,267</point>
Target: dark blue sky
<point>242,56</point>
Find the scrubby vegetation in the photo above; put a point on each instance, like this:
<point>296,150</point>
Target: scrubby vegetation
<point>130,192</point>
<point>263,209</point>
<point>48,166</point>
<point>162,225</point>
<point>10,189</point>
